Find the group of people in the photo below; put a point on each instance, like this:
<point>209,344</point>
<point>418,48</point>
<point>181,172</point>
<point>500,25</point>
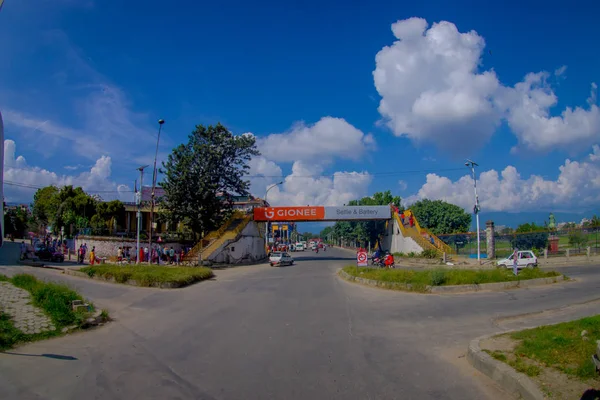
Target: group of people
<point>158,254</point>
<point>387,260</point>
<point>82,251</point>
<point>407,220</point>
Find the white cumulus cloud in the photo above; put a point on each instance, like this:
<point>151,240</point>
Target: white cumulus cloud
<point>328,138</point>
<point>309,149</point>
<point>577,186</point>
<point>22,179</point>
<point>430,86</point>
<point>433,89</point>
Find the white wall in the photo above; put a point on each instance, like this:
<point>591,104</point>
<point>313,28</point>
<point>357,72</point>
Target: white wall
<point>108,246</point>
<point>395,242</point>
<point>249,248</point>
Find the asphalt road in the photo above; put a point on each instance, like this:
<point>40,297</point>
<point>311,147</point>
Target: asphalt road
<point>295,332</point>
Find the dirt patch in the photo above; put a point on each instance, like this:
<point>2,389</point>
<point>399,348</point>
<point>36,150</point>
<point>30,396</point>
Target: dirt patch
<point>554,383</point>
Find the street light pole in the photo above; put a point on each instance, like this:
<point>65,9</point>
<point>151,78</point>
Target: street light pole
<point>267,223</point>
<point>160,124</point>
<point>476,209</point>
<point>138,200</point>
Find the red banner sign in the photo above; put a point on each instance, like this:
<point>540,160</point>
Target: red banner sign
<point>308,213</point>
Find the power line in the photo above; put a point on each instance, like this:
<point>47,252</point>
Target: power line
<point>28,186</point>
<point>388,173</point>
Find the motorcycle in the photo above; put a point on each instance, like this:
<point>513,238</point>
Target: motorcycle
<point>377,262</point>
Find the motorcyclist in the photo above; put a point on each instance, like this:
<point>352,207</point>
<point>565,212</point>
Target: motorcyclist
<point>389,260</point>
<point>376,255</point>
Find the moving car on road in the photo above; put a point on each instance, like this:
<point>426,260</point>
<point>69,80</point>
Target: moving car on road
<point>526,259</point>
<point>299,246</point>
<point>279,258</point>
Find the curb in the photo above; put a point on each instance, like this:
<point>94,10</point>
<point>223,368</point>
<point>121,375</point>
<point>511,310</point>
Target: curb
<point>497,286</point>
<point>501,373</point>
<point>130,282</point>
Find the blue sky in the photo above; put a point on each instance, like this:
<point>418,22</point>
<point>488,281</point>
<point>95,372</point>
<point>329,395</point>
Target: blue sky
<point>83,83</point>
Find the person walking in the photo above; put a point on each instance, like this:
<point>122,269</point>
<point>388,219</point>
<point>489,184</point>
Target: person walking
<point>516,262</point>
<point>93,255</point>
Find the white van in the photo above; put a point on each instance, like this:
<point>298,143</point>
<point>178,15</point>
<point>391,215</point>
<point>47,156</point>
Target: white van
<point>526,260</point>
<point>299,246</point>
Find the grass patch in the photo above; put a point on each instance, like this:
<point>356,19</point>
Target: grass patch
<point>562,346</point>
<point>445,277</point>
<point>53,298</point>
<point>498,355</point>
<point>149,275</point>
<point>9,335</point>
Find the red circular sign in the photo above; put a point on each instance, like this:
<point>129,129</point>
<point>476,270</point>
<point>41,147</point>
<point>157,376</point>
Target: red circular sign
<point>361,257</point>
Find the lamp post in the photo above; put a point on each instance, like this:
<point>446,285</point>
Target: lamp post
<point>160,124</point>
<point>138,200</point>
<point>267,223</point>
<point>476,209</point>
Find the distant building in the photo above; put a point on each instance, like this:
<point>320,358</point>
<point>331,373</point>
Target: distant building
<point>242,203</point>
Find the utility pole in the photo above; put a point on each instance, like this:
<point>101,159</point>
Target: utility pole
<point>476,209</point>
<point>160,124</point>
<point>138,200</point>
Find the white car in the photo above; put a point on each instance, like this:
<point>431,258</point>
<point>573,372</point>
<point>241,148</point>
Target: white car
<point>526,260</point>
<point>299,247</point>
<point>279,258</point>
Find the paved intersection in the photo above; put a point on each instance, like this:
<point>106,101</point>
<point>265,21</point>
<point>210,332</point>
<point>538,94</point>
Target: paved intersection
<point>278,333</point>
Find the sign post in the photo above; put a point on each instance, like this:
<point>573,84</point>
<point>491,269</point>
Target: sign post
<point>361,260</point>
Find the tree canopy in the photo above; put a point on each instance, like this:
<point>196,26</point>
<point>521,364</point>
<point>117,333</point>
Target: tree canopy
<point>201,176</point>
<point>362,231</point>
<point>441,217</point>
<point>73,206</point>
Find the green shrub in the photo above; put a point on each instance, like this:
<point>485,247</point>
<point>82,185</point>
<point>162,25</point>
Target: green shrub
<point>9,335</point>
<point>429,253</point>
<point>149,275</point>
<point>438,277</point>
<point>412,254</point>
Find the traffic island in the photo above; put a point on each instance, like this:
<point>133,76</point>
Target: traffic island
<point>32,310</point>
<point>552,361</point>
<point>165,277</point>
<point>443,280</point>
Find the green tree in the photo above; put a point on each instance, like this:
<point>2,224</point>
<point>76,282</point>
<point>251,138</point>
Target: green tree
<point>201,176</point>
<point>63,207</point>
<point>577,239</point>
<point>529,227</point>
<point>441,217</point>
<point>366,231</point>
<point>15,222</point>
<point>45,205</point>
<point>530,236</point>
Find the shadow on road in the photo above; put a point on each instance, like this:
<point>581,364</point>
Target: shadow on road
<point>54,356</point>
<point>590,394</point>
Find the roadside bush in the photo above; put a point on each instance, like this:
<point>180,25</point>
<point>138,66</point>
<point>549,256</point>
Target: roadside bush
<point>429,253</point>
<point>412,254</point>
<point>9,335</point>
<point>438,277</point>
<point>149,275</point>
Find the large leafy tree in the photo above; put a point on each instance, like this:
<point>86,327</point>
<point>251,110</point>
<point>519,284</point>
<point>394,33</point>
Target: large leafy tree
<point>15,222</point>
<point>530,236</point>
<point>441,217</point>
<point>364,231</point>
<point>45,205</point>
<point>201,176</point>
<point>72,205</point>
